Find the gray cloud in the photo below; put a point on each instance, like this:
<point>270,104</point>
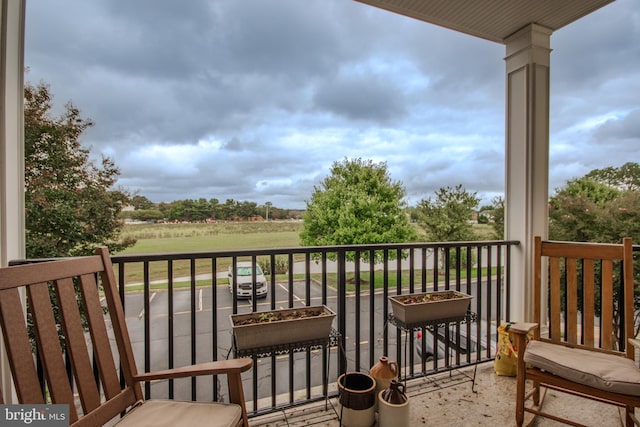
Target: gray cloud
<point>623,130</point>
<point>254,99</point>
<point>361,98</point>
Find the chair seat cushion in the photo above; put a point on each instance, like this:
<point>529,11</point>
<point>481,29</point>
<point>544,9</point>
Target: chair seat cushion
<point>599,370</point>
<point>170,413</point>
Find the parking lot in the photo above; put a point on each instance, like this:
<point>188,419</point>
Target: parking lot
<point>193,337</point>
<point>201,327</point>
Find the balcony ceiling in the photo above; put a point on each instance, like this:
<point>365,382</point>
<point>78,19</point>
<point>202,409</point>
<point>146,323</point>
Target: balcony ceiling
<point>493,20</point>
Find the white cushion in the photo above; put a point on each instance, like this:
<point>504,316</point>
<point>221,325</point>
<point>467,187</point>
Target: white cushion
<point>599,370</point>
<point>170,413</point>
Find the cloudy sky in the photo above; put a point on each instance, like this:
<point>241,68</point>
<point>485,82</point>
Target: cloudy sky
<point>255,99</point>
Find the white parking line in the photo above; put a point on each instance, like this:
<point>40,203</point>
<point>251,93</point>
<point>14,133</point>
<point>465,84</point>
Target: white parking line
<point>294,295</point>
<point>153,295</point>
<point>281,303</point>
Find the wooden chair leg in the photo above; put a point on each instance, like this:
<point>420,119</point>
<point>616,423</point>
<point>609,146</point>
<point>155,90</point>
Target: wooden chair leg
<point>536,393</point>
<point>520,384</point>
<point>236,395</point>
<point>521,380</point>
<point>629,416</point>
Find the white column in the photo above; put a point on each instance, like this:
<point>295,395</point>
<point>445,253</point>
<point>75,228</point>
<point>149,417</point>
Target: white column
<point>11,148</point>
<point>527,156</point>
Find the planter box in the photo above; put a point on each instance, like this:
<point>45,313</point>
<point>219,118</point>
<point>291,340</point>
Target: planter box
<point>415,308</point>
<point>262,334</point>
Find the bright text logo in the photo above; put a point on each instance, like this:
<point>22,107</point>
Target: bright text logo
<point>34,415</point>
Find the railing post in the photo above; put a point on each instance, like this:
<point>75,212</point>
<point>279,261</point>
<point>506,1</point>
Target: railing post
<point>342,310</point>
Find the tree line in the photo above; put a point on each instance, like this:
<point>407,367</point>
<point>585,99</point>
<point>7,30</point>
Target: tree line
<point>203,210</point>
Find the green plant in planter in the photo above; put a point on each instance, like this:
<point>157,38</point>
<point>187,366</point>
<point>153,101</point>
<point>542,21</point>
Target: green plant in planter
<point>267,317</point>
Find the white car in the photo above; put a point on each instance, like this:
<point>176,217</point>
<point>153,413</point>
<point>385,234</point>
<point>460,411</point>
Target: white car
<point>244,277</point>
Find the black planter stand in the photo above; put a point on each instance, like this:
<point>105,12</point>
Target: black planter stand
<point>469,317</point>
<point>333,340</point>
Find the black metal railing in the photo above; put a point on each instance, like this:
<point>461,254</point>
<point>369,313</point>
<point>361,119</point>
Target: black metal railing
<point>177,307</point>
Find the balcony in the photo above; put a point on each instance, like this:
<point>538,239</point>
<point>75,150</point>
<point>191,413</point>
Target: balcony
<point>178,305</point>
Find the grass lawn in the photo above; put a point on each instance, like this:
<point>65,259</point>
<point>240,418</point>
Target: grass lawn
<point>165,238</point>
<point>173,238</point>
<point>393,278</point>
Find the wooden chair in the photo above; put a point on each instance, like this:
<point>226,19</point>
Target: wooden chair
<point>579,355</point>
<point>95,407</point>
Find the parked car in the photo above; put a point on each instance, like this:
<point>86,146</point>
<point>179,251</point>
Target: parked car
<point>244,280</point>
<point>453,345</point>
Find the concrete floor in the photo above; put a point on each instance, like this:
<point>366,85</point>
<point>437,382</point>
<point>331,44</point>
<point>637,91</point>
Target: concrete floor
<point>447,400</point>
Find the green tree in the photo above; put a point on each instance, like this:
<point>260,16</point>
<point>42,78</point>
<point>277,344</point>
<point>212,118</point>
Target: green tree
<point>622,219</point>
<point>358,203</point>
<point>228,210</point>
<point>580,211</point>
<point>626,177</point>
<point>201,210</point>
<point>497,214</point>
<point>603,206</point>
<point>165,208</point>
<point>141,202</point>
<point>70,204</point>
<point>174,210</point>
<point>448,216</point>
<point>246,209</point>
<point>214,206</point>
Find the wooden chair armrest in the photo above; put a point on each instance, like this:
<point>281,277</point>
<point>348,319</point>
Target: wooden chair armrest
<point>522,328</point>
<point>634,342</point>
<point>232,366</point>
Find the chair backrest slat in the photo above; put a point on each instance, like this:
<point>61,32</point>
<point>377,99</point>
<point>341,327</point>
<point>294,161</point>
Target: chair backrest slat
<point>16,339</point>
<point>49,348</point>
<point>589,287</point>
<point>77,345</point>
<point>574,271</point>
<point>572,302</point>
<point>606,326</point>
<point>554,265</point>
<point>119,326</point>
<point>99,336</point>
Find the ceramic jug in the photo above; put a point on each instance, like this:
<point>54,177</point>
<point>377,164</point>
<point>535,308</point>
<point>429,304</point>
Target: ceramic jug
<point>395,393</point>
<point>393,405</point>
<point>383,372</point>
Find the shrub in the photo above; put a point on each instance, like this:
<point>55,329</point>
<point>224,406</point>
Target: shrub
<point>281,265</point>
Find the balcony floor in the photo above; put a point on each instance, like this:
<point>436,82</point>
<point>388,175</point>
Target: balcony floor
<point>447,400</point>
